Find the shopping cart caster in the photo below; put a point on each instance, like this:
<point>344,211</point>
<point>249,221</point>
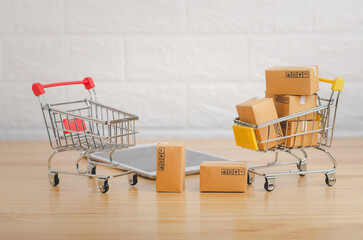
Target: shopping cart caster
<point>302,168</point>
<point>103,185</point>
<point>53,178</point>
<point>91,168</point>
<point>250,178</point>
<point>133,179</point>
<point>269,184</point>
<point>330,179</point>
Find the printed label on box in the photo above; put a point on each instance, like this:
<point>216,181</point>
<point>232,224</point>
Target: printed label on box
<point>161,159</point>
<point>232,172</point>
<point>298,74</point>
<point>278,131</point>
<point>281,99</point>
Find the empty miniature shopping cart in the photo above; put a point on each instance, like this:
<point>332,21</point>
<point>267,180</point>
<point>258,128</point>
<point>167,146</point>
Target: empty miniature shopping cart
<point>86,126</point>
<point>312,128</point>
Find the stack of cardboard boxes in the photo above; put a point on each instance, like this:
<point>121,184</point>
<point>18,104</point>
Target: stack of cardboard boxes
<point>289,90</point>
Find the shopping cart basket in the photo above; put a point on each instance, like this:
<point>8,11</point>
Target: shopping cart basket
<point>312,128</point>
<point>86,126</point>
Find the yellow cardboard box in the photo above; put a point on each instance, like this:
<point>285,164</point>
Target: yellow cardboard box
<point>170,167</point>
<point>223,177</point>
<point>292,80</point>
<point>260,110</point>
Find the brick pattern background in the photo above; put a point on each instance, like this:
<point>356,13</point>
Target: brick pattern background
<point>181,65</point>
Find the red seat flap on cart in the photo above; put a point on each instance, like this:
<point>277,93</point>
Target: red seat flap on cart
<point>76,125</point>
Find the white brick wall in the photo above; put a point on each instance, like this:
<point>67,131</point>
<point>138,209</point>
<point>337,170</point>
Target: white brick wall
<point>34,59</point>
<point>185,59</point>
<point>336,16</point>
<point>181,65</point>
<point>23,17</point>
<point>126,16</point>
<point>245,16</point>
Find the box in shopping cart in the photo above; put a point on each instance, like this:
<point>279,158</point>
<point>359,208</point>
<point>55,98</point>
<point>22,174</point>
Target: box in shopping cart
<point>290,104</point>
<point>292,80</point>
<point>294,127</point>
<point>257,111</point>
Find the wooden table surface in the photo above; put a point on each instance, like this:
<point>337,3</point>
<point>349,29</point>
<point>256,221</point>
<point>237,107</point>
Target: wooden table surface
<point>299,208</point>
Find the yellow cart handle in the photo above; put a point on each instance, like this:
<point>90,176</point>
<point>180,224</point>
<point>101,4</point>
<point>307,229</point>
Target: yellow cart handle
<point>337,84</point>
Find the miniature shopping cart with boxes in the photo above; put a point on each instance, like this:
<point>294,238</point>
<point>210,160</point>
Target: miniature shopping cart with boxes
<point>86,126</point>
<point>311,128</point>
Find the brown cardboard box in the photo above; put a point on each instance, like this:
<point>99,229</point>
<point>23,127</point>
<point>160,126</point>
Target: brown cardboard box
<point>292,80</point>
<point>290,104</point>
<point>223,177</point>
<point>170,169</point>
<point>260,110</point>
<point>295,127</point>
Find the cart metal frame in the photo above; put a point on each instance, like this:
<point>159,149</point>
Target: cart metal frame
<point>324,115</point>
<point>86,126</point>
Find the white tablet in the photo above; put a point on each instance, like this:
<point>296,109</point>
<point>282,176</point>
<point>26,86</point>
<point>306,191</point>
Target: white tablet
<point>142,159</point>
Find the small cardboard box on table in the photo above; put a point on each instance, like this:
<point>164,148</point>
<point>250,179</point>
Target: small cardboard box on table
<point>223,177</point>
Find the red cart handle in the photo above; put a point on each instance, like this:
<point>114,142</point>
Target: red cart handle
<point>38,88</point>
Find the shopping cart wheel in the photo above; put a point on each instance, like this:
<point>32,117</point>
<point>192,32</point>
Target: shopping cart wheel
<point>133,179</point>
<point>302,168</point>
<point>330,179</point>
<point>250,178</point>
<point>269,184</point>
<point>91,168</point>
<point>53,178</point>
<point>103,185</point>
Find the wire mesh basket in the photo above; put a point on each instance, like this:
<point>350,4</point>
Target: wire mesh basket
<point>88,126</point>
<point>312,128</point>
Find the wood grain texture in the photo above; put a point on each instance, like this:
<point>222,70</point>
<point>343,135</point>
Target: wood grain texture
<point>299,208</point>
